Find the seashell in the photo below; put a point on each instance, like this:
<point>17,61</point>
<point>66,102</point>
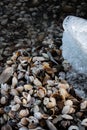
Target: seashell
<point>41,92</point>
<point>66,109</point>
<point>27,96</point>
<point>31,79</point>
<point>17,100</point>
<point>38,115</point>
<point>5,117</point>
<point>14,81</point>
<point>83,105</point>
<point>3,100</point>
<point>14,92</point>
<point>33,120</point>
<point>1,110</point>
<point>46,100</point>
<point>79,114</point>
<point>50,82</point>
<point>63,93</point>
<point>51,103</point>
<point>36,108</point>
<point>72,110</point>
<point>23,128</point>
<point>73,127</point>
<point>2,121</point>
<point>9,62</point>
<point>66,116</point>
<point>37,82</point>
<point>24,121</point>
<point>5,87</point>
<point>84,122</point>
<point>6,127</point>
<point>24,101</point>
<point>20,89</point>
<point>68,102</point>
<point>15,55</point>
<point>12,114</point>
<point>20,75</point>
<point>23,113</point>
<point>63,85</point>
<point>28,87</point>
<point>37,58</point>
<point>50,125</point>
<point>15,107</point>
<point>6,75</point>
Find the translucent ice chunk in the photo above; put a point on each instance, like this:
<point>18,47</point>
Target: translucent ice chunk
<point>75,42</point>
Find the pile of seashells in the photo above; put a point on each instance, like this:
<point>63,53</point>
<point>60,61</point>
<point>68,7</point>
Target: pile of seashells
<point>33,97</point>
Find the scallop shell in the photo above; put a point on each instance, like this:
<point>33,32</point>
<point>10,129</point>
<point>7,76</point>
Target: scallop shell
<point>51,103</point>
<point>73,127</point>
<point>23,113</point>
<point>84,122</point>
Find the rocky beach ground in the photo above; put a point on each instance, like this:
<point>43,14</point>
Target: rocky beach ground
<point>34,29</point>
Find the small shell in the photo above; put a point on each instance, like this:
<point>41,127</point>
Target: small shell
<point>41,92</point>
<point>24,101</point>
<point>5,117</point>
<point>28,87</point>
<point>14,92</point>
<point>66,116</point>
<point>3,100</point>
<point>83,105</point>
<point>73,127</point>
<point>20,89</point>
<point>1,120</point>
<point>24,121</point>
<point>84,122</point>
<point>46,100</point>
<point>17,100</point>
<point>6,127</point>
<point>63,93</point>
<point>23,128</point>
<point>66,109</point>
<point>38,59</point>
<point>23,113</point>
<point>14,81</point>
<point>68,102</point>
<point>38,115</point>
<point>72,110</point>
<point>51,103</point>
<point>37,82</point>
<point>50,125</point>
<point>27,96</point>
<point>15,107</point>
<point>31,78</point>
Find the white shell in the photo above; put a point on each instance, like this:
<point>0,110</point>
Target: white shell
<point>3,100</point>
<point>83,105</point>
<point>51,103</point>
<point>66,109</point>
<point>17,100</point>
<point>66,116</point>
<point>84,122</point>
<point>68,102</point>
<point>23,113</point>
<point>46,100</point>
<point>23,128</point>
<point>14,81</point>
<point>15,107</point>
<point>37,82</point>
<point>73,127</point>
<point>38,115</point>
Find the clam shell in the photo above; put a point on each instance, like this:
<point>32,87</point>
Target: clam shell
<point>41,92</point>
<point>28,87</point>
<point>50,125</point>
<point>23,113</point>
<point>73,127</point>
<point>84,122</point>
<point>14,92</point>
<point>66,116</point>
<point>20,89</point>
<point>38,115</point>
